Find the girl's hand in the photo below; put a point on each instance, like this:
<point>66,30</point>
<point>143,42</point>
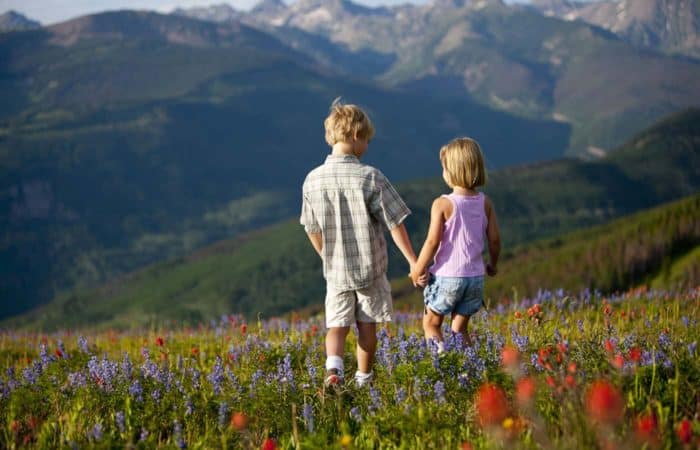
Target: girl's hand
<point>491,270</point>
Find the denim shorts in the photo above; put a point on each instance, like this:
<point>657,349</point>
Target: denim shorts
<point>454,295</point>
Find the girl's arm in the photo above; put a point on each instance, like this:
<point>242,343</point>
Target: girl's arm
<point>493,235</point>
<point>440,209</point>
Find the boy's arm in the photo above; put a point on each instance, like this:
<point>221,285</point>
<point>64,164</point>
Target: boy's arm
<point>493,235</point>
<point>432,241</point>
<point>400,237</point>
<point>317,242</point>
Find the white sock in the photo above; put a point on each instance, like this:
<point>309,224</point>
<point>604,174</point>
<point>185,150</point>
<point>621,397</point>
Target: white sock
<point>335,362</point>
<point>363,378</point>
<point>440,347</point>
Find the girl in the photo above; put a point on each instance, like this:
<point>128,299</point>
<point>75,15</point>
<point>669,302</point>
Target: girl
<point>459,222</point>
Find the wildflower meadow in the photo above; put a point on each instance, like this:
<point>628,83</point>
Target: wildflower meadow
<point>556,371</point>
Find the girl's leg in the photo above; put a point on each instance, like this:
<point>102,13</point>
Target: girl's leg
<point>432,322</point>
<point>366,345</point>
<point>459,325</point>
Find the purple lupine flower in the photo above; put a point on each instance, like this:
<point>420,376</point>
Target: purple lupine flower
<point>308,414</point>
<point>127,367</point>
<point>556,335</point>
<point>463,379</point>
<point>83,344</point>
<point>77,380</point>
<point>155,395</point>
<point>311,369</point>
<point>579,324</point>
<point>534,361</point>
<point>189,407</point>
<point>119,419</point>
<point>144,435</point>
<point>103,373</point>
<point>685,321</point>
<point>664,340</point>
<point>223,413</point>
<point>145,354</point>
<point>257,375</point>
<point>376,401</point>
<point>216,377</point>
<point>692,347</point>
<point>520,341</point>
<point>12,382</point>
<point>196,376</point>
<point>285,375</point>
<point>136,391</point>
<point>400,395</point>
<point>403,350</point>
<point>96,432</point>
<point>31,374</point>
<point>44,356</point>
<point>439,389</point>
<point>355,414</point>
<point>177,433</point>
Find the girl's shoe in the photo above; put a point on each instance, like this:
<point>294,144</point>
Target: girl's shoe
<point>333,378</point>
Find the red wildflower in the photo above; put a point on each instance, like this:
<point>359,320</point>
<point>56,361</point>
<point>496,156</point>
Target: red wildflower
<point>609,346</point>
<point>570,381</point>
<point>604,402</point>
<point>509,356</point>
<point>244,329</point>
<point>195,351</point>
<point>491,404</point>
<point>59,353</point>
<point>607,310</point>
<point>269,444</point>
<point>562,347</point>
<point>618,361</point>
<point>160,341</point>
<point>239,421</point>
<point>572,367</point>
<point>525,390</point>
<point>518,314</point>
<point>466,446</point>
<point>550,381</point>
<point>14,426</point>
<point>646,427</point>
<point>685,431</point>
<point>314,330</point>
<point>635,354</point>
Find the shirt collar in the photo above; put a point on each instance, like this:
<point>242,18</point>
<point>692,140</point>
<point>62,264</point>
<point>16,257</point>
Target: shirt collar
<point>342,159</point>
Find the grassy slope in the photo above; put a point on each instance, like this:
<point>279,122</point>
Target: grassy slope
<point>274,270</point>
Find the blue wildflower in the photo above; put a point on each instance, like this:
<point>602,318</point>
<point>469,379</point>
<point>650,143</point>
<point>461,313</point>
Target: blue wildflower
<point>439,389</point>
<point>308,414</point>
<point>119,419</point>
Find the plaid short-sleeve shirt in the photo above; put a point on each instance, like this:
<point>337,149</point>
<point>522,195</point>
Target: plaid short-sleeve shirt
<point>350,203</point>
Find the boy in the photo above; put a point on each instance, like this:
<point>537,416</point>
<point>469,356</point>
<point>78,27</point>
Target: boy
<point>345,206</point>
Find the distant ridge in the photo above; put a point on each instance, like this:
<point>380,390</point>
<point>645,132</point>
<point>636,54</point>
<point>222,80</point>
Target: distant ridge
<point>14,21</point>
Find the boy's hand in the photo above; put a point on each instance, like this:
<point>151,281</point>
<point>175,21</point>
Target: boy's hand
<point>418,277</point>
<point>491,270</point>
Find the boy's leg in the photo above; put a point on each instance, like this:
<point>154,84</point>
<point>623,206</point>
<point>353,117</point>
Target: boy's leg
<point>366,346</point>
<point>335,348</point>
<point>432,322</point>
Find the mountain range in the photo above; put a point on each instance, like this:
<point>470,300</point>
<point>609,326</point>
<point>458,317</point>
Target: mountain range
<point>509,57</point>
<point>671,26</point>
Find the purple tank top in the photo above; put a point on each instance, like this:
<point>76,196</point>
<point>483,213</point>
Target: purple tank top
<point>459,253</point>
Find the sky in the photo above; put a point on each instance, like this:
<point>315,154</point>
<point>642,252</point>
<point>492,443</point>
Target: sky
<point>52,11</point>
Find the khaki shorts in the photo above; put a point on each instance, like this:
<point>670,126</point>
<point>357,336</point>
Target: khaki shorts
<point>371,305</point>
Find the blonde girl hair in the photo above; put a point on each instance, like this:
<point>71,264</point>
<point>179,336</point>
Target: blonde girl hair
<point>463,163</point>
<point>346,121</point>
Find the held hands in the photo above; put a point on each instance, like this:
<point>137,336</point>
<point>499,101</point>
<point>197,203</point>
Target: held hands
<point>491,270</point>
<point>419,276</point>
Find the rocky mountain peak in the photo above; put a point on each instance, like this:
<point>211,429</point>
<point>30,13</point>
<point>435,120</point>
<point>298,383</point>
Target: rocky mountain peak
<point>14,21</point>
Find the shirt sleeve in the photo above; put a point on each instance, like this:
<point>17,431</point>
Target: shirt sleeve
<point>386,204</point>
<point>308,218</point>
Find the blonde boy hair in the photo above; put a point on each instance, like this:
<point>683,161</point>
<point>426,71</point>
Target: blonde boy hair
<point>463,163</point>
<point>346,121</point>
